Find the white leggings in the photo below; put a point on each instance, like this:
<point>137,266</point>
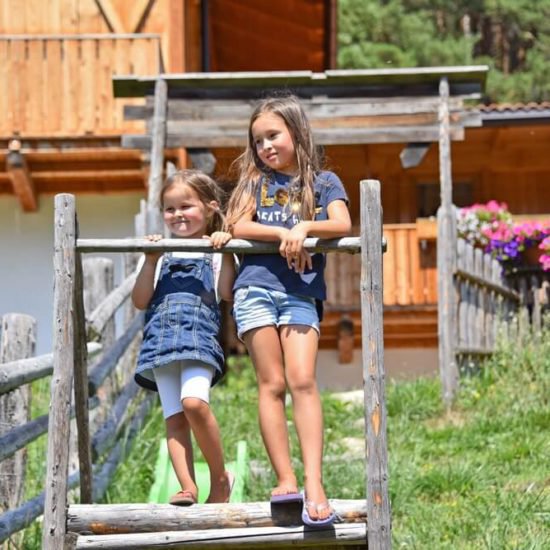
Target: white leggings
<point>181,379</point>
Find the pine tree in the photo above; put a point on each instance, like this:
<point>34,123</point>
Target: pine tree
<point>511,36</point>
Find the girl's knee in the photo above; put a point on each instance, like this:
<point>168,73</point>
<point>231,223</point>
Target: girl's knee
<point>274,388</point>
<point>193,406</point>
<point>302,385</point>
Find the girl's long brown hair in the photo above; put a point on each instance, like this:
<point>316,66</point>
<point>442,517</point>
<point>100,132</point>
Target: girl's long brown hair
<point>207,190</point>
<point>251,169</point>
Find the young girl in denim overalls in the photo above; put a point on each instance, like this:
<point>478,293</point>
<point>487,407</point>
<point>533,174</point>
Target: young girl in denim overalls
<point>282,195</point>
<point>180,356</point>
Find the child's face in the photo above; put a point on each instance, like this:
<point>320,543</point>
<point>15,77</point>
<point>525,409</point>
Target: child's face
<point>274,143</point>
<point>184,213</point>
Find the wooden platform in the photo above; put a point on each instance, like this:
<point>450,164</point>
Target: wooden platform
<point>250,525</point>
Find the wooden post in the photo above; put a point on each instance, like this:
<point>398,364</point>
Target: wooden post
<point>18,341</point>
<point>81,387</point>
<point>378,505</point>
<point>55,503</point>
<point>446,254</point>
<point>158,135</point>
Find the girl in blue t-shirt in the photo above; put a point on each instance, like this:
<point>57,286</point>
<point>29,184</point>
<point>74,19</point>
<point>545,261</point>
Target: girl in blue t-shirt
<point>283,195</point>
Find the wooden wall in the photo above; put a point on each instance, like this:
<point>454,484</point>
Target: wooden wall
<point>249,35</point>
<point>166,17</point>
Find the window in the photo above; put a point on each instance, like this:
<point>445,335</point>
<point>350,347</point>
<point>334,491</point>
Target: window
<point>429,198</point>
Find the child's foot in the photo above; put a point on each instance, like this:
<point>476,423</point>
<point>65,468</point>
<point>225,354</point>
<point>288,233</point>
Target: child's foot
<point>220,489</point>
<point>285,492</point>
<point>285,487</point>
<point>183,498</point>
<point>316,502</point>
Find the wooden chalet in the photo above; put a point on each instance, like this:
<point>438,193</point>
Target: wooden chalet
<point>62,127</point>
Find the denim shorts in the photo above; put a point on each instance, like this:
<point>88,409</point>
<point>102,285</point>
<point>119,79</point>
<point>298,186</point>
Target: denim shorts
<point>255,307</point>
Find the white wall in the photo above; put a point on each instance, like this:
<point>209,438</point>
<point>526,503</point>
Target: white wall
<point>26,251</point>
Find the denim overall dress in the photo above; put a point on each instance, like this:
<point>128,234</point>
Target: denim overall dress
<point>182,320</point>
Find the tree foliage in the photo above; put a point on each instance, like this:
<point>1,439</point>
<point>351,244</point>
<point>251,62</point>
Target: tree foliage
<point>511,36</point>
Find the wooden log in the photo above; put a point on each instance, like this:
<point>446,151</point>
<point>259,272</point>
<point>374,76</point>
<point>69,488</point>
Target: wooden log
<point>109,361</point>
<point>104,312</point>
<point>17,341</point>
<point>158,144</point>
<point>130,261</point>
<point>249,537</point>
<point>536,314</point>
<point>327,107</point>
<point>99,519</point>
<point>217,137</point>
<point>472,295</point>
<point>117,416</point>
<point>58,426</point>
<point>81,386</point>
<point>378,504</point>
<point>16,373</point>
<point>446,253</point>
<point>103,478</point>
<point>101,300</point>
<point>235,246</point>
<point>489,303</point>
<point>15,520</point>
<point>19,437</point>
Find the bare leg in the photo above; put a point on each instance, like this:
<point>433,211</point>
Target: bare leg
<point>265,350</point>
<point>300,344</point>
<point>207,433</point>
<point>180,448</point>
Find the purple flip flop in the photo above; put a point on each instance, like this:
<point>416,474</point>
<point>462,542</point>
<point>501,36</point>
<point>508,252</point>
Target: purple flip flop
<point>310,522</point>
<point>286,498</point>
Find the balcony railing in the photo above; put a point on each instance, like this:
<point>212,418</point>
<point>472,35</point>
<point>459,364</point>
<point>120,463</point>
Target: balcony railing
<point>410,273</point>
<point>61,85</point>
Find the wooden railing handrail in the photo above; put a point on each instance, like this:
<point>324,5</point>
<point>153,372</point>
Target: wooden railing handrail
<point>234,246</point>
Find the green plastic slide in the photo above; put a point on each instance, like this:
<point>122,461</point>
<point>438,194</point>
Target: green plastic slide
<point>166,483</point>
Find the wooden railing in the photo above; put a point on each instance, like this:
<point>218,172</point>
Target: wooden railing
<point>410,274</point>
<point>485,302</point>
<point>113,359</point>
<point>61,85</point>
<point>70,363</point>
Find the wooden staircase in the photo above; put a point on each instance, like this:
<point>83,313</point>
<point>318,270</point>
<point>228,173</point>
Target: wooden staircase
<point>251,525</point>
<point>404,327</point>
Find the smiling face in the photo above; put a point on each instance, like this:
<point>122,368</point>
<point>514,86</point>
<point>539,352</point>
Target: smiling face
<point>273,143</point>
<point>184,213</point>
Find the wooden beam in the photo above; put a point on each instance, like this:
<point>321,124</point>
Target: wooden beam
<point>110,14</point>
<point>253,538</point>
<point>148,518</point>
<point>324,136</point>
<point>138,12</point>
<point>21,179</point>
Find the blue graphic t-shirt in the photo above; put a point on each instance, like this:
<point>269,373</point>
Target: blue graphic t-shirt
<point>271,270</point>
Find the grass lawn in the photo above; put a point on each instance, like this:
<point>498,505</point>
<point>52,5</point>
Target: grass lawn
<point>475,477</point>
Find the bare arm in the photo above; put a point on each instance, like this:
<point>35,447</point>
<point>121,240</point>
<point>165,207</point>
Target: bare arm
<point>338,224</point>
<point>144,286</point>
<point>145,283</point>
<point>245,228</point>
<point>226,278</point>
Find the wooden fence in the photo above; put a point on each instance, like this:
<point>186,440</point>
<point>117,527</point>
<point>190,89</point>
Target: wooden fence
<point>111,392</point>
<point>70,329</point>
<point>488,301</point>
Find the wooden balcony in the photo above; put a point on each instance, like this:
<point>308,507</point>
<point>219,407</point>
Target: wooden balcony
<point>410,289</point>
<point>60,86</point>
